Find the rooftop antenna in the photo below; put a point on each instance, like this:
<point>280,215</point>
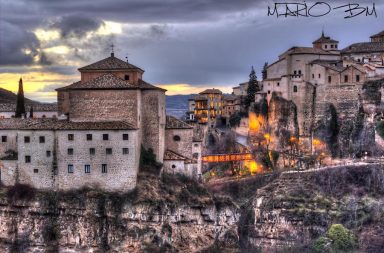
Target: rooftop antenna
<point>322,31</point>
<point>126,57</point>
<point>112,50</point>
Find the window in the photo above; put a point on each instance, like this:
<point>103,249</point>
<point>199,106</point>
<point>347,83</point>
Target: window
<point>319,75</point>
<point>48,153</point>
<point>278,84</point>
<point>336,46</point>
<point>70,168</point>
<point>269,92</point>
<point>70,151</point>
<point>357,78</point>
<point>195,155</point>
<point>92,151</point>
<point>173,166</point>
<point>126,77</point>
<point>326,46</point>
<point>313,75</point>
<point>125,137</point>
<point>299,72</point>
<point>295,72</point>
<point>125,151</point>
<point>70,137</point>
<point>103,168</point>
<point>332,46</point>
<point>3,138</point>
<point>35,171</point>
<point>87,168</point>
<point>196,145</point>
<point>108,151</point>
<point>294,88</point>
<point>177,138</point>
<point>27,139</point>
<point>27,159</point>
<point>89,137</point>
<point>105,137</point>
<point>42,139</point>
<point>329,79</point>
<point>345,78</point>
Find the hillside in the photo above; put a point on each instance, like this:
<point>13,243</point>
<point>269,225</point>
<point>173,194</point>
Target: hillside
<point>8,97</point>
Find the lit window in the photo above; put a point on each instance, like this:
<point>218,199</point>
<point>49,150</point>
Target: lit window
<point>70,168</point>
<point>87,168</point>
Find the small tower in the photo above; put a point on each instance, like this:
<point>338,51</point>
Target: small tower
<point>326,43</point>
<point>20,104</point>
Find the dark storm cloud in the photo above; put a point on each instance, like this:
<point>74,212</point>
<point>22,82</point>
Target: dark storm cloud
<point>76,25</point>
<point>13,43</point>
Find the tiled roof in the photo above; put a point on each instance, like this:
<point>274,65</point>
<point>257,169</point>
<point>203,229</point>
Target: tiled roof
<point>364,47</point>
<point>37,107</point>
<point>199,97</point>
<point>306,50</point>
<point>211,91</point>
<point>378,34</point>
<point>324,39</point>
<point>108,81</point>
<point>170,155</point>
<point>173,123</point>
<point>110,63</point>
<point>229,97</point>
<point>55,124</point>
<point>334,65</point>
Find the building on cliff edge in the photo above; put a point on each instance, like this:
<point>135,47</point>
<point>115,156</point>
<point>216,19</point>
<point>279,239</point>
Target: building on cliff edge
<point>105,119</point>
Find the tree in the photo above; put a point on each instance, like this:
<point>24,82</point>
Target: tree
<point>20,105</point>
<point>264,72</point>
<point>253,87</point>
<point>31,112</point>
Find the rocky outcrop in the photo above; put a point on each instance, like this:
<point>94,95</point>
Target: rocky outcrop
<point>92,221</point>
<point>296,209</point>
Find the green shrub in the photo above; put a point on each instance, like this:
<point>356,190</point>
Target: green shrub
<point>148,162</point>
<point>322,245</point>
<point>380,128</point>
<point>342,238</point>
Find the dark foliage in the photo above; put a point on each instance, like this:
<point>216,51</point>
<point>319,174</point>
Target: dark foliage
<point>20,102</point>
<point>148,162</point>
<point>253,87</point>
<point>20,192</point>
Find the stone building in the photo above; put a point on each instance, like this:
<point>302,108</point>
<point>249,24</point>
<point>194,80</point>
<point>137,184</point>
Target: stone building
<point>104,120</point>
<point>40,110</point>
<point>208,106</point>
<point>315,77</point>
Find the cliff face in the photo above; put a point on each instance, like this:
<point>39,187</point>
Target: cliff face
<point>295,210</point>
<point>100,222</point>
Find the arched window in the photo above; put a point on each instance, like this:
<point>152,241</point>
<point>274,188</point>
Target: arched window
<point>176,138</point>
<point>294,88</point>
<point>173,166</point>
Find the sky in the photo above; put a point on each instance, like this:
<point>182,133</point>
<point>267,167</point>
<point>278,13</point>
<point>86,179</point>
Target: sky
<point>184,46</point>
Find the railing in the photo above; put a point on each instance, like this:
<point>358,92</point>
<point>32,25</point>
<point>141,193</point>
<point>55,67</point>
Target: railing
<point>227,158</point>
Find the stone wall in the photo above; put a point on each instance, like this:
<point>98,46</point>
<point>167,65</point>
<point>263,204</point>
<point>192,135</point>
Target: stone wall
<point>184,146</point>
<point>134,75</point>
<point>8,172</point>
<point>63,102</point>
<point>121,168</point>
<point>197,150</point>
<point>153,121</point>
<point>39,171</point>
<point>103,105</point>
<point>11,143</point>
<point>174,167</point>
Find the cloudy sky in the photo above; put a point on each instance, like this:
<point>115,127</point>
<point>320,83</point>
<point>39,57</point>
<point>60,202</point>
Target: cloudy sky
<point>184,45</point>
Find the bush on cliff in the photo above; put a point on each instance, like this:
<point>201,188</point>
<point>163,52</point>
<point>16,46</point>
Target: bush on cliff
<point>148,162</point>
<point>337,239</point>
<point>21,192</point>
<point>380,128</point>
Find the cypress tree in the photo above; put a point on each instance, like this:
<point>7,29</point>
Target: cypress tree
<point>264,72</point>
<point>31,112</point>
<point>20,105</point>
<point>253,87</point>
